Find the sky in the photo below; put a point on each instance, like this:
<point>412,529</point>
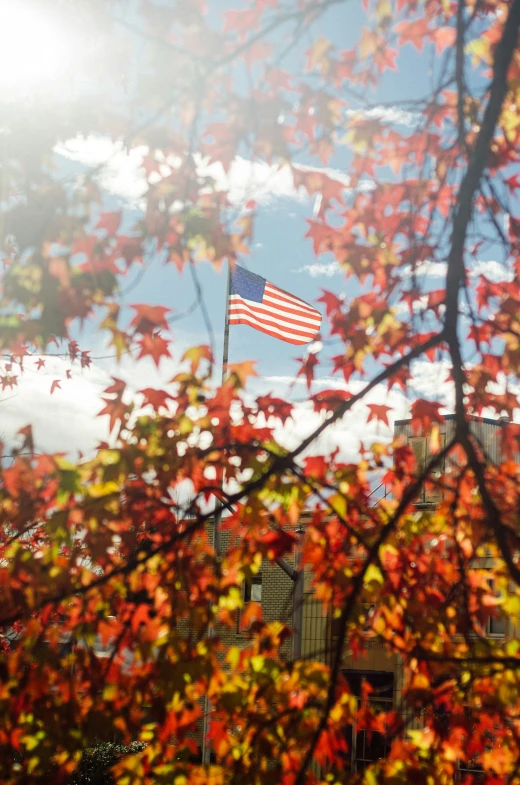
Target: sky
<point>67,421</point>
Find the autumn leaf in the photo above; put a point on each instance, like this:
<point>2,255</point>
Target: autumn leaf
<point>56,385</point>
<point>378,412</point>
<point>196,354</point>
<point>148,318</point>
<point>424,414</point>
<point>156,398</point>
<point>251,613</point>
<point>28,442</point>
<point>240,372</point>
<point>154,346</point>
<point>307,366</point>
<point>109,222</point>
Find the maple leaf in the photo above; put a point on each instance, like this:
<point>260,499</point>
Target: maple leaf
<point>378,412</point>
<point>328,400</point>
<point>321,235</point>
<point>274,407</point>
<point>149,317</point>
<point>443,37</point>
<point>156,398</point>
<point>317,55</point>
<point>28,441</point>
<point>197,353</point>
<point>307,366</point>
<point>109,221</point>
<point>278,542</point>
<point>252,613</point>
<point>240,372</point>
<point>85,360</point>
<point>332,302</point>
<point>56,385</point>
<point>40,364</point>
<point>316,467</point>
<point>154,346</point>
<point>242,21</point>
<point>424,414</point>
<point>413,32</point>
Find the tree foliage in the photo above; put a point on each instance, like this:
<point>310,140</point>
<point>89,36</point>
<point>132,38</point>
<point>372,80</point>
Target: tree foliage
<point>101,552</point>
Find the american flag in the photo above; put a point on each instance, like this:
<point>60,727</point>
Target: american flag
<point>256,302</point>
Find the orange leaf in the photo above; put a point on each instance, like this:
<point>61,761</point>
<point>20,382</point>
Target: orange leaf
<point>251,613</point>
<point>196,354</point>
<point>241,371</point>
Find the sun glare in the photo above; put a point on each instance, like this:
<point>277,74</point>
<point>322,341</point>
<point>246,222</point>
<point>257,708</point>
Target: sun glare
<point>33,50</point>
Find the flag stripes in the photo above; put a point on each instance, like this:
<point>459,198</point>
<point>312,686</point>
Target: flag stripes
<point>263,306</point>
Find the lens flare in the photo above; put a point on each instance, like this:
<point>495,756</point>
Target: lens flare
<point>33,50</point>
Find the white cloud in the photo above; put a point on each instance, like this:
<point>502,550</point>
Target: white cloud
<point>348,434</point>
<point>120,172</point>
<point>67,420</point>
<point>316,269</point>
<point>431,379</point>
<point>427,268</point>
<point>389,114</point>
<point>494,271</point>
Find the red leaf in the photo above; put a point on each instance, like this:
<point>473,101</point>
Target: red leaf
<point>109,221</point>
<point>321,235</point>
<point>28,442</point>
<point>328,400</point>
<point>379,412</point>
<point>424,413</point>
<point>85,360</point>
<point>154,346</point>
<point>308,364</point>
<point>274,407</point>
<point>413,32</point>
<point>332,302</point>
<point>316,467</point>
<point>155,398</point>
<point>56,385</point>
<point>149,317</point>
<point>443,37</point>
<point>277,543</point>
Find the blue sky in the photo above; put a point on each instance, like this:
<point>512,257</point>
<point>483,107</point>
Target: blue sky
<point>279,253</point>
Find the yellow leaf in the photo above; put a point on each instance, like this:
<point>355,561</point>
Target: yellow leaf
<point>110,692</point>
<point>317,55</point>
<point>373,573</point>
<point>257,662</point>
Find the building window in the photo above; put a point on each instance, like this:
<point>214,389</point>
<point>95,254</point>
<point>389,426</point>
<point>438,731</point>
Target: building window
<point>253,589</point>
<point>364,747</point>
<point>252,592</point>
<point>419,446</point>
<point>496,625</point>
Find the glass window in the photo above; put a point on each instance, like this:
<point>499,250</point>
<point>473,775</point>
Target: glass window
<point>419,446</point>
<point>253,589</point>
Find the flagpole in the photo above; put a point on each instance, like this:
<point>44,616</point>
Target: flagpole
<point>225,355</point>
<point>217,518</point>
